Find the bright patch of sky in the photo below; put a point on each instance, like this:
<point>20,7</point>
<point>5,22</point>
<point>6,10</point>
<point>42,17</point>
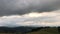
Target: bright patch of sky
<point>51,19</point>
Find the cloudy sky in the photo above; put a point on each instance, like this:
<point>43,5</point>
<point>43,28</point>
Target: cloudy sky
<point>32,13</point>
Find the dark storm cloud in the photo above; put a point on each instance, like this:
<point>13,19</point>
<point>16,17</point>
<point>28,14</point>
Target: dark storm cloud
<point>12,7</point>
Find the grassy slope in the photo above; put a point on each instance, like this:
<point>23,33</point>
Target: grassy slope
<point>46,31</point>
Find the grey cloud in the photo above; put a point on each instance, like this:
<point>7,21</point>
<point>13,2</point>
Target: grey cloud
<point>12,7</point>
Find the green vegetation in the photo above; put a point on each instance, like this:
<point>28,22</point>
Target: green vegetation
<point>46,31</point>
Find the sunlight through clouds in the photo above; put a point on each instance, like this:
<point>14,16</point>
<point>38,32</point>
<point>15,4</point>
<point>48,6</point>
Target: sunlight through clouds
<point>51,19</point>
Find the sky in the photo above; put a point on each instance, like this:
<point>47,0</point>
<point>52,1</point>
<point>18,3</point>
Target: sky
<point>32,13</point>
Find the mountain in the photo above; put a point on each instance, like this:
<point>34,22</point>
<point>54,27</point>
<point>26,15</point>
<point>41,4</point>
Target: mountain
<point>18,29</point>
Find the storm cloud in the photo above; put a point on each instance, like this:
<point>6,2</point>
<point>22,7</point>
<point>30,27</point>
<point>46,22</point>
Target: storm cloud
<point>19,7</point>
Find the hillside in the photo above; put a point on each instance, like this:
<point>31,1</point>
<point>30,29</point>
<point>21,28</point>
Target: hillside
<point>29,30</point>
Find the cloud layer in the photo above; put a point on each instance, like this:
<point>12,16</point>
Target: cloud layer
<point>18,7</point>
<point>32,13</point>
<point>51,19</point>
